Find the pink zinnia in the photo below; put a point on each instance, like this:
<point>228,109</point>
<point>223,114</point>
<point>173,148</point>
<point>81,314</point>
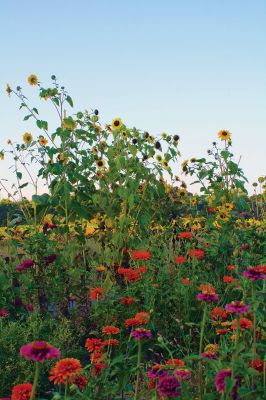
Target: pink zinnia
<point>141,333</point>
<point>254,274</point>
<point>169,386</point>
<point>39,351</point>
<point>236,307</point>
<point>26,264</point>
<point>4,313</point>
<point>209,298</point>
<point>182,373</point>
<point>220,379</point>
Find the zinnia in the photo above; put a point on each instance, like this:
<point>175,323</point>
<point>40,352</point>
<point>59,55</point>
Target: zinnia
<point>237,307</point>
<point>65,369</point>
<point>220,380</point>
<point>110,330</point>
<point>96,294</point>
<point>140,255</point>
<point>39,351</point>
<point>169,386</point>
<point>180,259</point>
<point>21,391</point>
<point>141,333</point>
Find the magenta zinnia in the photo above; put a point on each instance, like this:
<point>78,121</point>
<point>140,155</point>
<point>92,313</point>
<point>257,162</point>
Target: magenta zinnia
<point>237,307</point>
<point>169,386</point>
<point>39,351</point>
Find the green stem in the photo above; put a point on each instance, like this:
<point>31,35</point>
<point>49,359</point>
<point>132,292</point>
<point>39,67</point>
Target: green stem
<point>65,396</point>
<point>138,371</point>
<point>35,382</point>
<point>203,322</point>
<point>235,355</point>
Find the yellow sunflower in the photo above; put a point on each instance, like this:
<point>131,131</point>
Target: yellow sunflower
<point>33,80</point>
<point>224,135</point>
<point>182,193</point>
<point>43,141</point>
<point>159,158</point>
<point>117,123</point>
<point>27,138</point>
<point>165,163</point>
<point>2,155</point>
<point>100,163</point>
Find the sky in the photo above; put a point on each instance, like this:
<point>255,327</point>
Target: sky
<point>186,67</point>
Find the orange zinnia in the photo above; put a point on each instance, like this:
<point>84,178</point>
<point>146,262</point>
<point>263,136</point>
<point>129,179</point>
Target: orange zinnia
<point>64,369</point>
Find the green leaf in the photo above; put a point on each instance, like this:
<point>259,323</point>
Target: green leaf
<point>19,175</point>
<point>69,100</point>
<point>35,110</point>
<point>27,117</point>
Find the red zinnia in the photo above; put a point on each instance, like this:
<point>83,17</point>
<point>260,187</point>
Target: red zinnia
<point>228,279</point>
<point>197,253</point>
<point>175,362</point>
<point>21,391</point>
<point>257,365</point>
<point>185,235</point>
<point>96,294</point>
<point>244,323</point>
<point>94,344</point>
<point>111,342</point>
<point>110,330</point>
<point>180,259</point>
<point>140,255</point>
<point>65,369</point>
<point>127,301</point>
<point>218,314</point>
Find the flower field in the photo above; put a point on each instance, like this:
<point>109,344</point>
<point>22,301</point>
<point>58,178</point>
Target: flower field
<point>119,283</point>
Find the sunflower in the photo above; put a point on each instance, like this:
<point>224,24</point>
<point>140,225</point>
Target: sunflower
<point>224,135</point>
<point>8,89</point>
<point>165,163</point>
<point>100,163</point>
<point>2,155</point>
<point>159,158</point>
<point>117,123</point>
<point>43,141</point>
<point>33,80</point>
<point>124,134</point>
<point>95,150</point>
<point>182,193</point>
<point>27,138</point>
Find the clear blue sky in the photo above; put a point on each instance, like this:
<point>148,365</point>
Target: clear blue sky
<point>190,67</point>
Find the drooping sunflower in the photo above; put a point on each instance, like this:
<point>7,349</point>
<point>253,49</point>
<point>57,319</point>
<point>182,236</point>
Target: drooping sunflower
<point>27,138</point>
<point>33,80</point>
<point>43,141</point>
<point>100,163</point>
<point>117,123</point>
<point>224,134</point>
<point>8,89</point>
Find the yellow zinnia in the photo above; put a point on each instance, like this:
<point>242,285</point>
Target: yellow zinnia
<point>33,80</point>
<point>224,135</point>
<point>27,138</point>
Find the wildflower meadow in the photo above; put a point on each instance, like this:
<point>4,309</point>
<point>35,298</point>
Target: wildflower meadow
<point>119,279</point>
